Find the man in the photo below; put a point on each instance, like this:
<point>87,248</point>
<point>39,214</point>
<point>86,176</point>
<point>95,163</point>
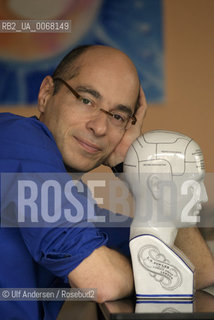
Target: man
<point>106,77</point>
<point>91,110</point>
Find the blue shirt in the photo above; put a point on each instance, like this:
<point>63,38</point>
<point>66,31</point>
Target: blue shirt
<point>41,257</point>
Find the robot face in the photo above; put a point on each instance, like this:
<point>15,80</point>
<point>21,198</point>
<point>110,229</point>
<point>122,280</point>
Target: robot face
<point>193,194</point>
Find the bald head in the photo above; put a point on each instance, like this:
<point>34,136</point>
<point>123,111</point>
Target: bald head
<point>70,62</point>
<point>111,62</point>
<point>161,151</point>
<point>108,56</point>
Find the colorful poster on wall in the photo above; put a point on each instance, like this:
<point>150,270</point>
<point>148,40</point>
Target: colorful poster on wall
<point>134,26</point>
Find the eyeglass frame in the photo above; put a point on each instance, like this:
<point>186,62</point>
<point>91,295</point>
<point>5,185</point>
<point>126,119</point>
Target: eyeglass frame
<point>79,97</point>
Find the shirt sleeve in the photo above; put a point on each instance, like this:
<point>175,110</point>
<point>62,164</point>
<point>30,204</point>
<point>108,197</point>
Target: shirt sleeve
<point>60,250</point>
<point>118,233</point>
<point>115,226</point>
<point>55,219</point>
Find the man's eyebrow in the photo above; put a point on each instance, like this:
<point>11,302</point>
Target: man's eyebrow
<point>124,108</point>
<point>97,95</point>
<point>93,92</point>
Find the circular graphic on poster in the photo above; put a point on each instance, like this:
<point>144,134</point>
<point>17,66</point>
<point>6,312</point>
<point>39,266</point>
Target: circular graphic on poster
<point>133,26</point>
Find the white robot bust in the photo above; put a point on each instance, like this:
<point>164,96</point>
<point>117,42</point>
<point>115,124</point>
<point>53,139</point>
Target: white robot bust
<point>165,171</point>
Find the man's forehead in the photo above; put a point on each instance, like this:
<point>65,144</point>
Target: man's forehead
<point>113,60</point>
<point>107,82</point>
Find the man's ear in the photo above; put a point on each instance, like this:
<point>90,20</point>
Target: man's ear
<point>153,183</point>
<point>45,92</point>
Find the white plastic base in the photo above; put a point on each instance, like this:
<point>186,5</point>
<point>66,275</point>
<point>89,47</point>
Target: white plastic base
<point>164,306</point>
<point>159,272</point>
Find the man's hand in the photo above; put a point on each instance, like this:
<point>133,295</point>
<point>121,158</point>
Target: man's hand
<point>130,135</point>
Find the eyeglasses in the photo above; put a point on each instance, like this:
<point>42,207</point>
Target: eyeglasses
<point>117,118</point>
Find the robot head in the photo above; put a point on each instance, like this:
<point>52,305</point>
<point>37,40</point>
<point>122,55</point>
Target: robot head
<point>169,167</point>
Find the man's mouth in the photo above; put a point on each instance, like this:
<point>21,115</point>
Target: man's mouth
<point>88,146</point>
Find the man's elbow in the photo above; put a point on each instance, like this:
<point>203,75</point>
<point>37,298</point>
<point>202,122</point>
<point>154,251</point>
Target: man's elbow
<point>106,270</point>
<point>113,291</point>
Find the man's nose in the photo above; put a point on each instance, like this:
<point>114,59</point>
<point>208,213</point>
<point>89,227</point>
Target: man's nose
<point>98,124</point>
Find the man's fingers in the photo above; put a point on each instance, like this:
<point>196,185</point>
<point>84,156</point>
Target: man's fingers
<point>142,99</point>
<point>141,111</point>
